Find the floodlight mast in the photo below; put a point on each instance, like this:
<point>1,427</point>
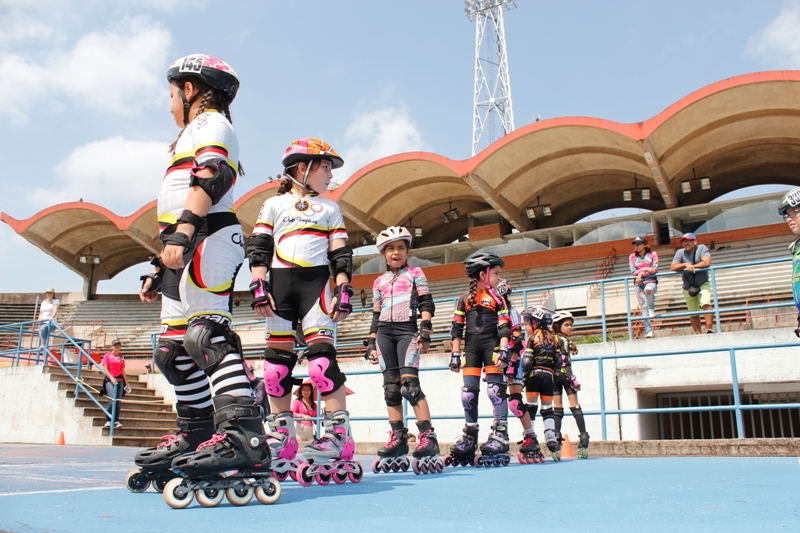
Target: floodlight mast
<point>492,95</point>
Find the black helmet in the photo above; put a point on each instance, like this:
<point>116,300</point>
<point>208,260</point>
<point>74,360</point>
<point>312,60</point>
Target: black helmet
<point>790,199</point>
<point>480,262</point>
<point>212,71</point>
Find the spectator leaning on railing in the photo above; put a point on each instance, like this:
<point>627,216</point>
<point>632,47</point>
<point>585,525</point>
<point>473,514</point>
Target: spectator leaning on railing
<point>696,287</point>
<point>789,209</point>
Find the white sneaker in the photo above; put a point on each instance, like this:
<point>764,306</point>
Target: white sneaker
<point>649,335</point>
<point>107,425</point>
<point>117,424</point>
<point>651,313</point>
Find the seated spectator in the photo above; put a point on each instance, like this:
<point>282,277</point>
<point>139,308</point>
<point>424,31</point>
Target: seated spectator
<point>696,287</point>
<point>644,266</point>
<point>303,408</point>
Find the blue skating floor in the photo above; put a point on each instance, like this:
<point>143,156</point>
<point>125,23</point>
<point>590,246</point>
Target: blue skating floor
<point>80,489</point>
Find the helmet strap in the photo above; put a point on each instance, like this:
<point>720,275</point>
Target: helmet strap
<point>187,104</point>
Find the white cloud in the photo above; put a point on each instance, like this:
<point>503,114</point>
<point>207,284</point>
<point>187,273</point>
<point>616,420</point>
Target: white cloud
<point>117,71</point>
<point>376,134</point>
<point>117,173</point>
<point>779,41</point>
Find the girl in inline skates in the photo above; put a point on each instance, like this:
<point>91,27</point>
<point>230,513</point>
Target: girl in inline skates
<point>197,351</point>
<point>538,366</point>
<point>481,321</point>
<point>395,343</point>
<point>298,242</point>
<point>565,380</point>
<point>644,266</point>
<point>514,380</point>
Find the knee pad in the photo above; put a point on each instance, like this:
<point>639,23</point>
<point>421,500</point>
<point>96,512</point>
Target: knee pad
<point>496,392</point>
<point>165,354</point>
<point>208,342</point>
<point>469,397</point>
<point>515,405</point>
<point>558,412</point>
<point>547,412</point>
<point>575,410</point>
<point>323,368</point>
<point>412,391</point>
<point>391,391</point>
<point>532,409</point>
<point>278,367</point>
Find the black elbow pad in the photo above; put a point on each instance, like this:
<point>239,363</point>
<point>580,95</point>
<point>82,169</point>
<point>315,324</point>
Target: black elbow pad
<point>218,185</point>
<point>260,248</point>
<point>425,303</point>
<point>504,331</point>
<point>341,261</point>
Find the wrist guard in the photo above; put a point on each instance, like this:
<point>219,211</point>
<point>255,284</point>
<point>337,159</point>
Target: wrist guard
<point>425,329</point>
<point>455,361</point>
<point>155,285</point>
<point>187,217</point>
<point>343,293</point>
<point>216,186</point>
<point>503,355</point>
<point>372,346</point>
<point>259,288</point>
<point>170,236</point>
<point>573,382</point>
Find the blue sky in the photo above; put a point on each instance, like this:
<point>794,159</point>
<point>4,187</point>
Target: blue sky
<point>86,110</point>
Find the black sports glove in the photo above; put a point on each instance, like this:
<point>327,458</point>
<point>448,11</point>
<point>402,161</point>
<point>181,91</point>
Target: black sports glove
<point>343,292</point>
<point>372,346</point>
<point>425,330</point>
<point>259,288</point>
<point>455,361</point>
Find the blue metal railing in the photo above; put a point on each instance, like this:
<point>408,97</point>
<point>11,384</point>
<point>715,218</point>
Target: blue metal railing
<point>39,352</point>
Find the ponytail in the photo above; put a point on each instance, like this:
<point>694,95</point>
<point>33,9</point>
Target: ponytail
<point>473,291</point>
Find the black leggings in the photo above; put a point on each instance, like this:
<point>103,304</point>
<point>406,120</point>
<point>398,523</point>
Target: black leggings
<point>397,348</point>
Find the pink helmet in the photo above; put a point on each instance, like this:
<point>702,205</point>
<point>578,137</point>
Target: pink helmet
<point>308,149</point>
<point>392,234</point>
<point>214,72</point>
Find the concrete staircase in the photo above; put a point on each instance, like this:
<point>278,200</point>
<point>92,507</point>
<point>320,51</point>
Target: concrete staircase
<point>144,415</point>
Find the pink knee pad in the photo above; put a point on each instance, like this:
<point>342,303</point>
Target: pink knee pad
<point>276,379</point>
<point>516,405</point>
<point>317,370</point>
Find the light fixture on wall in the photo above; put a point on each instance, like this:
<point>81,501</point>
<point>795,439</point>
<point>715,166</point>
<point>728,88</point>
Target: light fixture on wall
<point>450,214</point>
<point>530,211</point>
<point>415,231</point>
<point>627,194</point>
<point>705,182</point>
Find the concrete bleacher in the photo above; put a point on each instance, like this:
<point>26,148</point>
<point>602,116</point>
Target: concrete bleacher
<point>102,321</point>
<point>13,313</point>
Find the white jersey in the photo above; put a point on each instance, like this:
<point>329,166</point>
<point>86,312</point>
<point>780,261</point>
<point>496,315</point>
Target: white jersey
<point>209,136</point>
<point>301,237</point>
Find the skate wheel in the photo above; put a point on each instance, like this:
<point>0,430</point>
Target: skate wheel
<point>357,475</point>
<point>270,493</point>
<point>160,483</point>
<point>303,477</point>
<point>209,497</point>
<point>280,476</point>
<point>404,465</point>
<point>293,475</point>
<point>239,496</point>
<point>323,479</point>
<point>556,456</point>
<point>415,467</point>
<point>447,460</point>
<point>439,467</point>
<point>176,495</point>
<point>136,481</point>
<point>505,460</point>
<point>376,466</point>
<point>521,458</point>
<point>339,477</point>
<point>478,461</point>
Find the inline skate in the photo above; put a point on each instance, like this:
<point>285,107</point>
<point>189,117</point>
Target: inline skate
<point>530,451</point>
<point>394,456</point>
<point>426,454</point>
<point>194,427</point>
<point>495,450</point>
<point>583,446</point>
<point>283,446</point>
<point>552,444</point>
<point>234,463</point>
<point>462,453</point>
<point>331,456</point>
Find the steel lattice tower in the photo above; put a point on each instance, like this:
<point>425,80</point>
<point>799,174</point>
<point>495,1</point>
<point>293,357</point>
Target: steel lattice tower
<point>492,81</point>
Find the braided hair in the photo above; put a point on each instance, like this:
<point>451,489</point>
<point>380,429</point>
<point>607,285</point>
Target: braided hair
<point>287,183</point>
<point>473,291</point>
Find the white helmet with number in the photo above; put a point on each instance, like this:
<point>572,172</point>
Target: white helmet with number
<point>392,234</point>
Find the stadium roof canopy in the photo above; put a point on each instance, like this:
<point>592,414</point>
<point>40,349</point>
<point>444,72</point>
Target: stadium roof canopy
<point>739,132</point>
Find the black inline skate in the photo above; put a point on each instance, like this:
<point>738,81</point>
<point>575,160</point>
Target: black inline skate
<point>462,453</point>
<point>583,446</point>
<point>552,444</point>
<point>234,463</point>
<point>194,427</point>
<point>530,451</point>
<point>495,450</point>
<point>393,457</point>
<point>426,454</point>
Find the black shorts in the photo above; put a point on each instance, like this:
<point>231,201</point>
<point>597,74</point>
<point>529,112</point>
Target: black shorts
<point>479,352</point>
<point>560,383</point>
<point>398,353</point>
<point>540,382</point>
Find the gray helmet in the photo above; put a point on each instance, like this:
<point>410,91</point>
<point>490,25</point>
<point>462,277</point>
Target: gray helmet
<point>538,315</point>
<point>480,262</point>
<point>790,199</point>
